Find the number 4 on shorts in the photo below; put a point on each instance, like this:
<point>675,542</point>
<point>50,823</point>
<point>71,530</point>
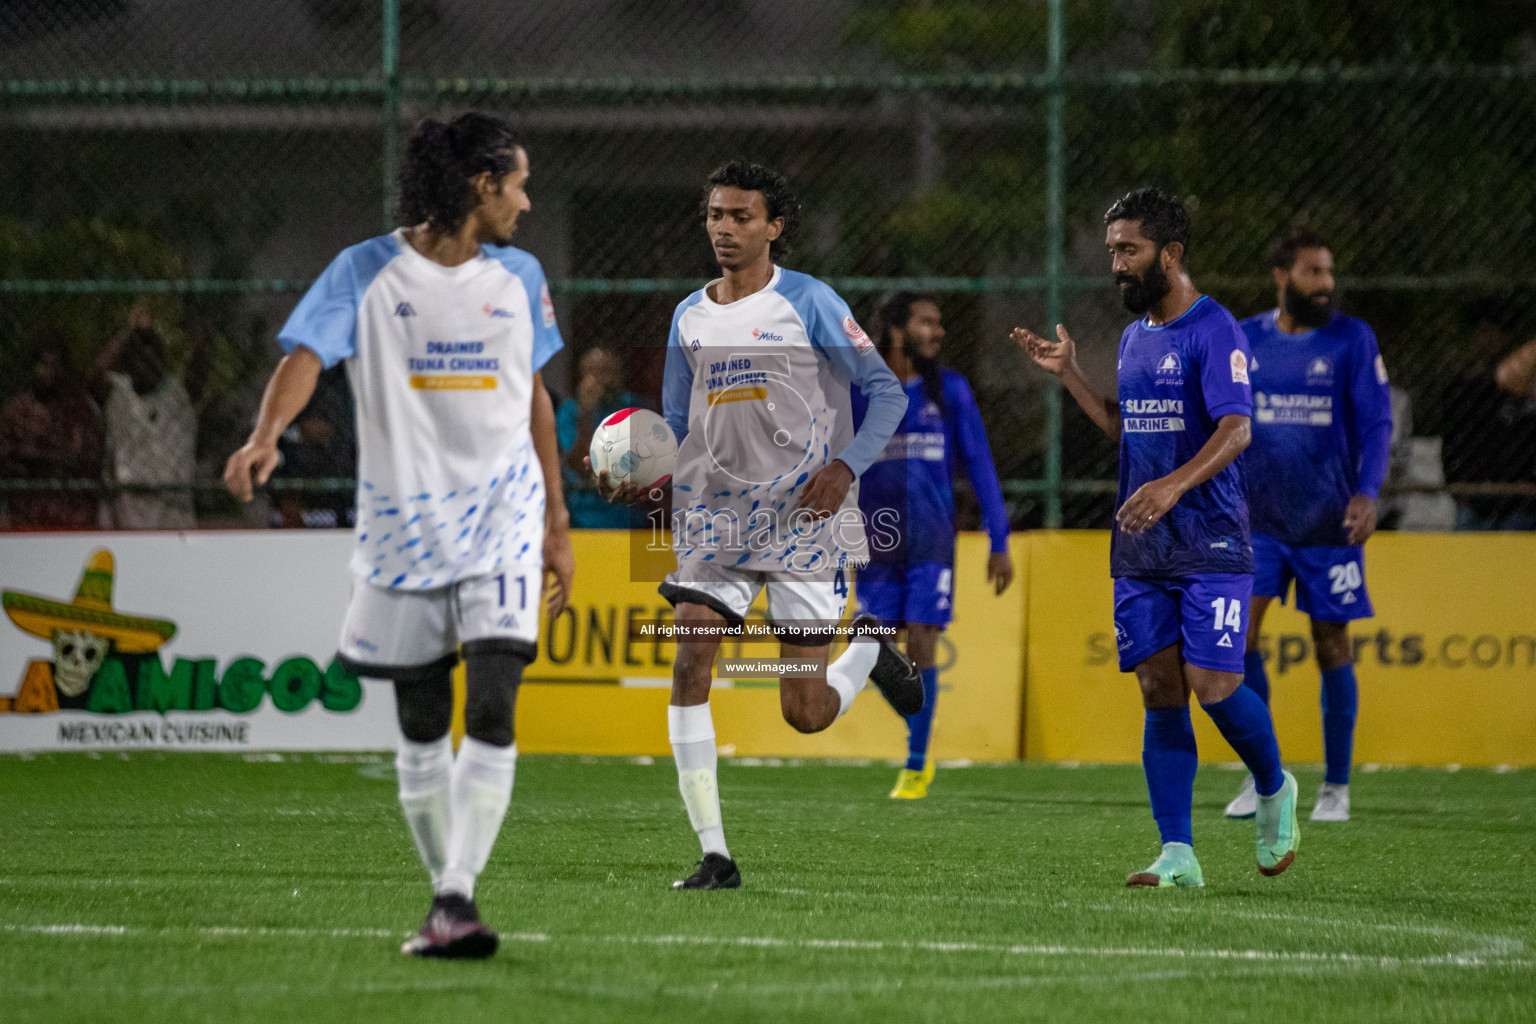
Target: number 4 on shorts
<point>1228,615</point>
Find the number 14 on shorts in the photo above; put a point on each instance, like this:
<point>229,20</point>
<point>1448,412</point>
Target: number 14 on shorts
<point>1229,614</point>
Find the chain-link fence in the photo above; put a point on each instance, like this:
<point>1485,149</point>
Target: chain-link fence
<point>180,171</point>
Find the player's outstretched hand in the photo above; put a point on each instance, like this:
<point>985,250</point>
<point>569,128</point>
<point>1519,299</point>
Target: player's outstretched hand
<point>559,570</point>
<point>618,494</point>
<point>1150,503</point>
<point>250,459</point>
<point>1052,356</point>
<point>824,492</point>
<point>999,571</point>
<point>1360,519</point>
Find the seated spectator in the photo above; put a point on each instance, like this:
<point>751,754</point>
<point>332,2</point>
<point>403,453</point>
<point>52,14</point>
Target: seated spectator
<point>151,430</point>
<point>1490,436</point>
<point>50,432</point>
<point>598,396</point>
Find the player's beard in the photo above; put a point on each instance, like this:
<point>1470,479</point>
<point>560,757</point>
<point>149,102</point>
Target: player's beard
<point>1301,307</point>
<point>1140,294</point>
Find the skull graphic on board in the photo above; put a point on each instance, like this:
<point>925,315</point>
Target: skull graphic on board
<point>77,654</point>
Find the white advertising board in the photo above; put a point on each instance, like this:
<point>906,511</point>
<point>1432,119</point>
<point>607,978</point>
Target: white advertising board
<point>181,641</point>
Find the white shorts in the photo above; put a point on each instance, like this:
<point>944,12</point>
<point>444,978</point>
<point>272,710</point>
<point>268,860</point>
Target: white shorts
<point>389,633</point>
<point>812,606</point>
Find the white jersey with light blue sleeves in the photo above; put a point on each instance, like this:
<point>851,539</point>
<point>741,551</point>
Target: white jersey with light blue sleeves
<point>757,392</point>
<point>441,361</point>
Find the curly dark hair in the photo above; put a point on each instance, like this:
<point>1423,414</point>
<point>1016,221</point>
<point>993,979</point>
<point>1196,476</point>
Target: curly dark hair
<point>1162,216</point>
<point>895,310</point>
<point>440,160</point>
<point>776,193</point>
<point>1283,250</point>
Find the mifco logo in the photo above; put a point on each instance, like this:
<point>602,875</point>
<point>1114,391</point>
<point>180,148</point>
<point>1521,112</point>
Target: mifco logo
<point>762,335</point>
<point>404,309</point>
<point>499,313</point>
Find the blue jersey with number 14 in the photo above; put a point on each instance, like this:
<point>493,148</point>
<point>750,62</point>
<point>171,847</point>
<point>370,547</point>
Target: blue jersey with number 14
<point>1177,380</point>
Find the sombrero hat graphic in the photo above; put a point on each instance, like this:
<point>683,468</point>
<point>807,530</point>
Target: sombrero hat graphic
<point>91,610</point>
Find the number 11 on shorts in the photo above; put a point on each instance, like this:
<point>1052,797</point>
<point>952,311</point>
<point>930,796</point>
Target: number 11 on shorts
<point>1229,615</point>
<point>501,591</point>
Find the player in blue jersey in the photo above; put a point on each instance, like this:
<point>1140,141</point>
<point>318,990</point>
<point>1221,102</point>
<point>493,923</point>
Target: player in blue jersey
<point>1322,435</point>
<point>1180,551</point>
<point>908,499</point>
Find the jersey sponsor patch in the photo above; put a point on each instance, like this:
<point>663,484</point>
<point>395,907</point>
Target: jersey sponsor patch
<point>856,335</point>
<point>1239,367</point>
<point>547,304</point>
<point>1381,370</point>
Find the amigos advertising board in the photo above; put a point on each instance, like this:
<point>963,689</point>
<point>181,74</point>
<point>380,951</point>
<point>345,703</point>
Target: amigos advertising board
<point>200,641</point>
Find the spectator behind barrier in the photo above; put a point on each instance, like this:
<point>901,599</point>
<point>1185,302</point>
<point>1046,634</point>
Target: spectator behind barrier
<point>50,432</point>
<point>319,445</point>
<point>1490,435</point>
<point>598,396</point>
<point>151,428</point>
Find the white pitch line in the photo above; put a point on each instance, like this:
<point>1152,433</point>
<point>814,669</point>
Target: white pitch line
<point>868,945</point>
<point>1246,955</point>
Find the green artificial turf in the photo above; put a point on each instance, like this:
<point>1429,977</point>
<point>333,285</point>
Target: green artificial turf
<point>214,887</point>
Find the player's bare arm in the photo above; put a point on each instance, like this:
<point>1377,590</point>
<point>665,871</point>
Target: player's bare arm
<point>1059,358</point>
<point>288,392</point>
<point>824,492</point>
<point>1153,500</point>
<point>1360,518</point>
<point>559,561</point>
<point>999,571</point>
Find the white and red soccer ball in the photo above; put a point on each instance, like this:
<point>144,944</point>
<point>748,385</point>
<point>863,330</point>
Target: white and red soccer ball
<point>634,446</point>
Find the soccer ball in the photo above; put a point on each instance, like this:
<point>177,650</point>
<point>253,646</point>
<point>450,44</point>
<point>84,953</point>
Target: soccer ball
<point>634,446</point>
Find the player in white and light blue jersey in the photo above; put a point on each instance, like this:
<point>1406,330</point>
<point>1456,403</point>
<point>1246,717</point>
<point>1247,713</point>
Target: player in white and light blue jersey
<point>758,369</point>
<point>1322,437</point>
<point>444,327</point>
<point>1180,550</point>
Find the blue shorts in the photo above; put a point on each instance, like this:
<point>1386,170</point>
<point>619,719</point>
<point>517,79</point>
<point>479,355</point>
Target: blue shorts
<point>1207,614</point>
<point>921,592</point>
<point>1330,582</point>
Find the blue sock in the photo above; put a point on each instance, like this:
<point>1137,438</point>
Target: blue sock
<point>1254,676</point>
<point>1168,757</point>
<point>1341,702</point>
<point>1245,723</point>
<point>920,725</point>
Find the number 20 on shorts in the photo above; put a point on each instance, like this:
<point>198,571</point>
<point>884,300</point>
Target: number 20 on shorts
<point>1344,577</point>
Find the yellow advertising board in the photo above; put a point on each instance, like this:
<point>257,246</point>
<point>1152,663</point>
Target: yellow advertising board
<point>598,688</point>
<point>1447,669</point>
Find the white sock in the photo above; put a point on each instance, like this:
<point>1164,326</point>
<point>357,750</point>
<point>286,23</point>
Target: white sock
<point>481,790</point>
<point>848,674</point>
<point>424,770</point>
<point>692,732</point>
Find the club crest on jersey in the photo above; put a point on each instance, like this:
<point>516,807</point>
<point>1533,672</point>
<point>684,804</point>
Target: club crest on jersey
<point>1122,638</point>
<point>856,335</point>
<point>547,305</point>
<point>1170,370</point>
<point>762,335</point>
<point>1239,366</point>
<point>497,312</point>
<point>1320,372</point>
